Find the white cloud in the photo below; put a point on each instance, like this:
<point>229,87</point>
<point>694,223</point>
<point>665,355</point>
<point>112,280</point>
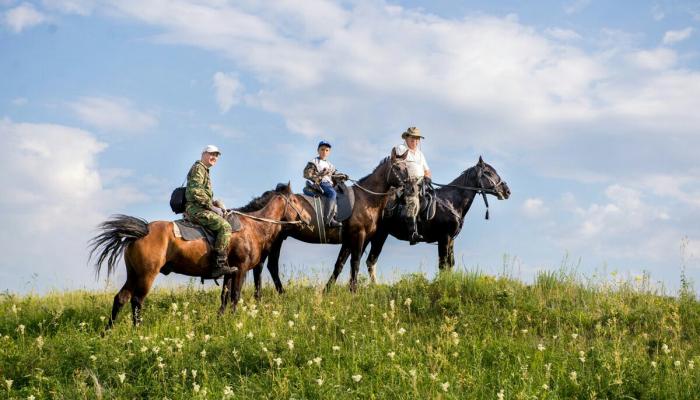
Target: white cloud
<point>563,34</point>
<point>672,37</point>
<point>226,131</point>
<point>54,195</point>
<point>534,208</point>
<point>657,13</point>
<point>22,17</point>
<point>20,101</point>
<point>79,7</point>
<point>657,59</point>
<point>228,90</point>
<point>576,6</point>
<point>113,114</point>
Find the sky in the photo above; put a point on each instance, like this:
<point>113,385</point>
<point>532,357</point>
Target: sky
<point>587,108</point>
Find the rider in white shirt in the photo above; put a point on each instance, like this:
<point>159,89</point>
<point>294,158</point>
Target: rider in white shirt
<point>418,170</point>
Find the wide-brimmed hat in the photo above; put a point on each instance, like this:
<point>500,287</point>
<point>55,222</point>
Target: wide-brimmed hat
<point>413,132</point>
<point>211,149</point>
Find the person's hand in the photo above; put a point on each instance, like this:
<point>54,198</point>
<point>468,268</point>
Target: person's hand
<point>219,203</point>
<point>217,210</point>
<point>428,180</point>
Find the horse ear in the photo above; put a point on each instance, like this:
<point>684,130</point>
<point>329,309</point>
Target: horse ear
<point>481,161</point>
<point>288,188</point>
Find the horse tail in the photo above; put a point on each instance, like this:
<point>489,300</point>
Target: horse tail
<point>117,233</point>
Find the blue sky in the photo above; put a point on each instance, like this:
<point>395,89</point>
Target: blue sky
<point>588,109</point>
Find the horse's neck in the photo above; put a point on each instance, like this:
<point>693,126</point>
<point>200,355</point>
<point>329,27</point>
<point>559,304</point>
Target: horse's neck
<point>376,182</point>
<point>274,210</point>
<point>460,199</point>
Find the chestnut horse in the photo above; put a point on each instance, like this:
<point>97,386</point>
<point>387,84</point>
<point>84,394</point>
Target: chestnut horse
<point>371,195</point>
<point>151,248</point>
<point>452,204</point>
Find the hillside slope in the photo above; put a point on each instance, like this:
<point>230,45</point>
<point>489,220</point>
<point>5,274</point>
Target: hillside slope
<point>462,336</point>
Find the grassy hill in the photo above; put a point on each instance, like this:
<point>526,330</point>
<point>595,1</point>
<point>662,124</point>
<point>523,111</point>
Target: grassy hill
<point>463,335</point>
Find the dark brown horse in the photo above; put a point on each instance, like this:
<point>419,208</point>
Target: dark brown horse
<point>453,203</point>
<point>371,194</point>
<point>151,248</point>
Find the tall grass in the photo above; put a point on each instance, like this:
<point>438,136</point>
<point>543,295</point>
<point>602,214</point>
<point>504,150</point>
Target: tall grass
<point>463,336</point>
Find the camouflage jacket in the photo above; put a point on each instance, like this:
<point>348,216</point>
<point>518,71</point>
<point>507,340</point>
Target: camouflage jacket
<point>198,193</point>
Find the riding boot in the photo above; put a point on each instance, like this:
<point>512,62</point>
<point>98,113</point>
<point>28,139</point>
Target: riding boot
<point>330,208</point>
<point>219,266</point>
<point>415,237</point>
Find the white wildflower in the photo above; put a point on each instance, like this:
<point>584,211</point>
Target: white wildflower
<point>541,347</point>
<point>313,327</point>
<point>500,395</point>
<point>412,372</point>
<point>195,387</point>
<point>665,349</point>
<point>391,354</point>
<point>392,304</point>
<point>190,335</point>
<point>8,383</point>
<point>582,356</point>
<point>445,386</point>
<point>278,361</point>
<point>20,329</point>
<point>194,373</point>
<point>93,357</point>
<point>407,302</point>
<point>545,386</point>
<point>319,382</point>
<point>342,331</point>
<point>677,363</point>
<point>317,360</point>
<point>357,378</point>
<point>206,338</point>
<point>203,354</point>
<point>290,344</point>
<point>40,342</point>
<point>228,391</point>
<point>653,364</point>
<point>691,364</point>
<point>290,323</point>
<point>249,335</point>
<point>574,336</point>
<point>572,376</point>
<point>336,348</point>
<point>401,331</point>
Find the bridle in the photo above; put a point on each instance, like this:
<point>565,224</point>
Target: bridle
<point>391,173</point>
<point>478,189</point>
<point>287,203</point>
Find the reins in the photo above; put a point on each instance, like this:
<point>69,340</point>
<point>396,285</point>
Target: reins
<point>274,221</point>
<point>478,190</point>
<point>391,190</point>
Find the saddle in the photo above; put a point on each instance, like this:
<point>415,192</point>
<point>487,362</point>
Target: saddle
<point>188,230</point>
<point>345,200</point>
<point>427,204</point>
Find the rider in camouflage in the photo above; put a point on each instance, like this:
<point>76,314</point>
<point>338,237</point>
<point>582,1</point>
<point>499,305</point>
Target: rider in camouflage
<point>202,209</point>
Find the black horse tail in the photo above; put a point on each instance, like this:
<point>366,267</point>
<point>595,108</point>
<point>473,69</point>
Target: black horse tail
<point>117,234</point>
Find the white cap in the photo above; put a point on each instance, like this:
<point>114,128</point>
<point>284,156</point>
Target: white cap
<point>211,149</point>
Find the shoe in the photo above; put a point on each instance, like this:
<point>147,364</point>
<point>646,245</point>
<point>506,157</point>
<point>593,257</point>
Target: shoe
<point>220,266</point>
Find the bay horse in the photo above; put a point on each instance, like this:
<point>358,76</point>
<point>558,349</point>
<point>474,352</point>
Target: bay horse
<point>152,248</point>
<point>453,203</point>
<point>371,195</point>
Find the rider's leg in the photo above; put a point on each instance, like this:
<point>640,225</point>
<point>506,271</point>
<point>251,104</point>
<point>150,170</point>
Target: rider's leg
<point>330,206</point>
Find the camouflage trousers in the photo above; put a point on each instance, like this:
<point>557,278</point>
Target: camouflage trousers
<point>214,223</point>
<point>412,197</point>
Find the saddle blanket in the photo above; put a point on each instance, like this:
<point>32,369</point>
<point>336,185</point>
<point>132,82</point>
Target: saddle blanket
<point>187,230</point>
<point>345,201</point>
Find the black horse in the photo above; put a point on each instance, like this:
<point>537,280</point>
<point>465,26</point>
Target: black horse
<point>452,204</point>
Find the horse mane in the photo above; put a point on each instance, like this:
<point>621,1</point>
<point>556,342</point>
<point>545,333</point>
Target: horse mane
<point>257,203</point>
<point>384,160</point>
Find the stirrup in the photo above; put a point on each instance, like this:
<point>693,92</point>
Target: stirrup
<point>415,238</point>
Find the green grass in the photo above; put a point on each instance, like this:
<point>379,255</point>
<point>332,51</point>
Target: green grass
<point>461,336</point>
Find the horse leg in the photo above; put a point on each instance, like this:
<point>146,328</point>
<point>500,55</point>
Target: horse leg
<point>257,278</point>
<point>377,243</point>
<point>139,295</point>
<point>451,253</point>
<point>236,292</point>
<point>342,258</point>
<point>355,258</point>
<point>225,293</point>
<point>273,260</point>
<point>443,253</point>
<point>119,300</point>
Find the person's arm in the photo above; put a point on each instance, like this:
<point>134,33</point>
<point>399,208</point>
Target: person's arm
<point>311,172</point>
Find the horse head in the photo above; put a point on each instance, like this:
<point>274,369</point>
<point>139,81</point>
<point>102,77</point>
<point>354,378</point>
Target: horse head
<point>397,174</point>
<point>488,179</point>
<point>294,209</point>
